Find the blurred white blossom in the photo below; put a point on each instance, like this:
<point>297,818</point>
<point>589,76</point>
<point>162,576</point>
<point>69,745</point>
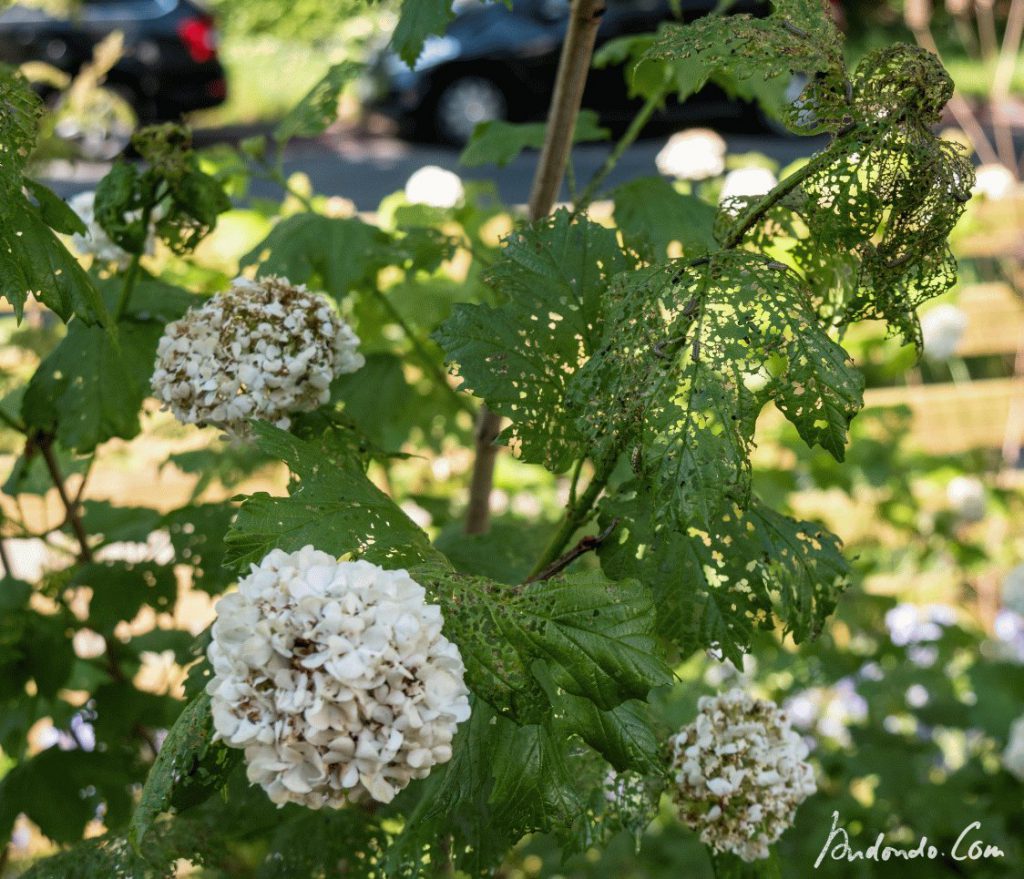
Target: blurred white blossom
<point>942,328</point>
<point>994,181</point>
<point>96,242</point>
<point>828,712</point>
<point>915,623</point>
<point>260,350</point>
<point>1013,756</point>
<point>335,678</point>
<point>966,496</point>
<point>694,154</point>
<point>1013,590</point>
<point>743,184</point>
<point>740,772</point>
<point>435,187</point>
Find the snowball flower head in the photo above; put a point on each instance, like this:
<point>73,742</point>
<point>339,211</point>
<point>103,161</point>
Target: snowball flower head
<point>1013,756</point>
<point>743,184</point>
<point>994,181</point>
<point>740,773</point>
<point>694,154</point>
<point>966,495</point>
<point>335,679</point>
<point>435,187</point>
<point>942,328</point>
<point>260,350</point>
<point>95,242</point>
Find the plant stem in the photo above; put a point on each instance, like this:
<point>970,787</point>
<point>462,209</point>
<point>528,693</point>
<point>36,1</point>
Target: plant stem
<point>130,278</point>
<point>45,445</point>
<point>577,50</point>
<point>625,142</point>
<point>577,513</point>
<point>428,362</point>
<point>755,211</point>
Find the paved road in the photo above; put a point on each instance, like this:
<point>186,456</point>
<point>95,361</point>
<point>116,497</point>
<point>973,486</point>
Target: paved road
<point>365,168</point>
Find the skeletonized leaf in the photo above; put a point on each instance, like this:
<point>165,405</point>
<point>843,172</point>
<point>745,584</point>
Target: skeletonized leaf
<point>319,107</point>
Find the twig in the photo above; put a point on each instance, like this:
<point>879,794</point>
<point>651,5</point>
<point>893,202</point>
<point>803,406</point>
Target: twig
<point>576,514</point>
<point>577,50</point>
<point>5,559</point>
<point>44,443</point>
<point>587,544</point>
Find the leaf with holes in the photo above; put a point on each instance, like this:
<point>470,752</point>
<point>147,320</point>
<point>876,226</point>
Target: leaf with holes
<point>521,356</point>
<point>691,352</point>
<point>714,587</point>
<point>594,638</point>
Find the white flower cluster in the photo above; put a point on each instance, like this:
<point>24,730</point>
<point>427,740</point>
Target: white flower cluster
<point>915,624</point>
<point>966,495</point>
<point>96,242</point>
<point>1013,756</point>
<point>434,187</point>
<point>743,184</point>
<point>828,711</point>
<point>942,328</point>
<point>335,679</point>
<point>262,349</point>
<point>694,154</point>
<point>740,772</point>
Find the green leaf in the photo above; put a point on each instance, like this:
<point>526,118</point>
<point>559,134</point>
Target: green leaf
<point>120,589</point>
<point>113,524</point>
<point>197,534</point>
<point>61,790</point>
<point>521,356</point>
<point>623,735</point>
<point>48,653</point>
<point>328,253</point>
<point>89,388</point>
<point>20,109</point>
<point>652,214</point>
<point>533,786</point>
<point>506,553</point>
<point>319,107</point>
<point>676,379</point>
<point>419,20</point>
<point>378,386</point>
<point>456,800</point>
<point>180,754</point>
<point>33,260</point>
<point>498,142</point>
<point>798,37</point>
<point>594,638</point>
<point>713,588</point>
<point>332,506</point>
<point>54,210</point>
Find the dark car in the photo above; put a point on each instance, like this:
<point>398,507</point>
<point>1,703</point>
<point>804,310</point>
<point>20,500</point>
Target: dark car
<point>497,63</point>
<point>169,65</point>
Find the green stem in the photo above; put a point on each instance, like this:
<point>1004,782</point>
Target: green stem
<point>755,211</point>
<point>429,363</point>
<point>577,513</point>
<point>130,279</point>
<point>625,142</point>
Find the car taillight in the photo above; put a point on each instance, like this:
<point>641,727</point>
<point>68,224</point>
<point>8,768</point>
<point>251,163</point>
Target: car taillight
<point>200,38</point>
